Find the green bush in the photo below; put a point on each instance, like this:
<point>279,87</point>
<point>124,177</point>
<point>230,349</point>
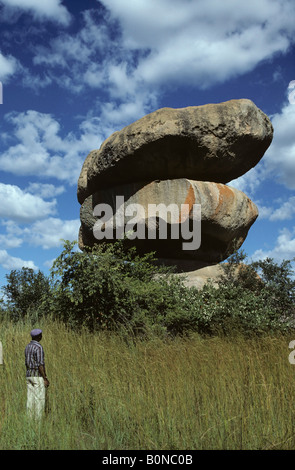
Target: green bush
<point>108,287</point>
<point>111,288</point>
<point>27,294</point>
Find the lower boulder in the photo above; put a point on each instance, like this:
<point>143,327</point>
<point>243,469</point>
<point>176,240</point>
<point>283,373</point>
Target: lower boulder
<point>177,219</point>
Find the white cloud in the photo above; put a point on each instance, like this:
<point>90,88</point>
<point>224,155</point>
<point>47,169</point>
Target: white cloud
<point>45,9</point>
<point>23,207</point>
<point>278,162</point>
<point>92,38</point>
<point>157,42</point>
<point>250,181</point>
<point>280,157</point>
<point>8,66</point>
<point>10,242</point>
<point>47,233</point>
<point>10,262</point>
<point>285,211</point>
<point>48,264</point>
<point>283,250</point>
<point>40,149</point>
<point>86,52</point>
<point>202,42</point>
<point>45,191</point>
<point>126,112</point>
<point>160,42</point>
<point>36,81</point>
<point>264,212</point>
<point>50,232</point>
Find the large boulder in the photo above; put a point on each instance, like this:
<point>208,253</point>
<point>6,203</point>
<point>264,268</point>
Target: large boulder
<point>180,159</point>
<point>213,142</point>
<point>225,216</point>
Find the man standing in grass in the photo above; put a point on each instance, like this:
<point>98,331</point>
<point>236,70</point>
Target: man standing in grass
<point>37,381</point>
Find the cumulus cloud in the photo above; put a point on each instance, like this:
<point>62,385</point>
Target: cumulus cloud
<point>11,262</point>
<point>46,233</point>
<point>39,149</point>
<point>130,51</point>
<point>94,58</point>
<point>8,66</point>
<point>278,162</point>
<point>285,211</point>
<point>46,9</point>
<point>45,191</point>
<point>158,42</point>
<point>92,38</point>
<point>23,207</point>
<point>250,181</point>
<point>204,42</point>
<point>280,157</point>
<point>10,242</point>
<point>284,248</point>
<point>50,232</point>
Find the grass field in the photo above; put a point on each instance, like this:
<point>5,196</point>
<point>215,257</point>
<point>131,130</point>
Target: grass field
<point>185,394</point>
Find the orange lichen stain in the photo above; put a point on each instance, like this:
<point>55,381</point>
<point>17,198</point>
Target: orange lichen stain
<point>189,202</point>
<point>225,194</point>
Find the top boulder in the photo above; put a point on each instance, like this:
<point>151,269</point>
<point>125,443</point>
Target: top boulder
<point>214,142</point>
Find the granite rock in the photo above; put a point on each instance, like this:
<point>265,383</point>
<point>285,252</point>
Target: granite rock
<point>224,219</point>
<point>213,142</point>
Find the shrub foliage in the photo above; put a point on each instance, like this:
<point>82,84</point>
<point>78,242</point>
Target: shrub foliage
<point>109,287</point>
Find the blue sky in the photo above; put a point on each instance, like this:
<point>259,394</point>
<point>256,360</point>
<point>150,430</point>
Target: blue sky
<point>74,71</point>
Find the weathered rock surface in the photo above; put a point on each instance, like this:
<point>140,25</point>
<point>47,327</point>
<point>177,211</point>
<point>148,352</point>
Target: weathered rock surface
<point>214,142</point>
<point>177,158</point>
<point>226,216</point>
<point>197,274</point>
<point>199,277</point>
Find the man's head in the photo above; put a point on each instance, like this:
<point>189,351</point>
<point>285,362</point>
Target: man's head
<point>36,334</point>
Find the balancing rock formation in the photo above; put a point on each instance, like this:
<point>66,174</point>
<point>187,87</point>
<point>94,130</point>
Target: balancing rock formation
<point>180,156</point>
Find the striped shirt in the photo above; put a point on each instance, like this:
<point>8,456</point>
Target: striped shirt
<point>34,357</point>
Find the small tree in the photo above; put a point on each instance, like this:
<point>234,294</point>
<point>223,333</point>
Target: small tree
<point>260,295</point>
<point>26,292</point>
<point>236,272</point>
<point>279,284</point>
<point>107,287</point>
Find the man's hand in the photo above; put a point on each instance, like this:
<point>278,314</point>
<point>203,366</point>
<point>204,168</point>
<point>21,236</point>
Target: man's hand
<point>43,373</point>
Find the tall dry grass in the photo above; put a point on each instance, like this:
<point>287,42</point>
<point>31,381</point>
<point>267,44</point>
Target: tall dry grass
<point>112,394</point>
